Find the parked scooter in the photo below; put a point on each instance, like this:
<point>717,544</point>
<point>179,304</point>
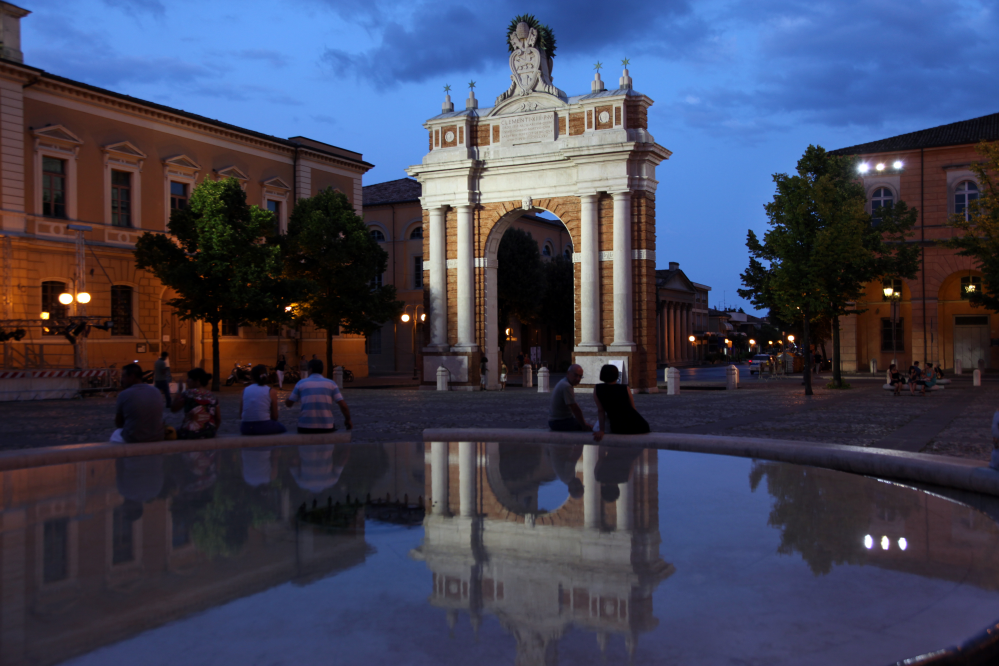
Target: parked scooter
<point>240,374</point>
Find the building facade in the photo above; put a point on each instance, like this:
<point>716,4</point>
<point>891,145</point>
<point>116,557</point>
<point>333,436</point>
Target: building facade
<point>929,317</point>
<point>681,313</point>
<point>394,216</point>
<point>85,172</point>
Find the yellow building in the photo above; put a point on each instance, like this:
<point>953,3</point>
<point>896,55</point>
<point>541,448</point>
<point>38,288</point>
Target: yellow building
<point>84,173</point>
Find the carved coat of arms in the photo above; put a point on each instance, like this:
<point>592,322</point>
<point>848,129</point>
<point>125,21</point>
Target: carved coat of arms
<point>530,67</point>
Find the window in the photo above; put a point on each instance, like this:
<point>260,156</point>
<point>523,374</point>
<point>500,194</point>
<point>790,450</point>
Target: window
<point>51,304</point>
<point>121,198</point>
<point>275,207</point>
<point>969,285</point>
<point>122,533</point>
<point>229,327</point>
<point>418,272</point>
<point>378,235</point>
<point>966,192</point>
<point>178,195</point>
<point>417,234</point>
<point>972,320</point>
<point>121,309</point>
<point>546,251</point>
<point>373,343</point>
<point>53,187</point>
<point>567,254</point>
<point>886,337</point>
<point>882,198</point>
<point>376,282</point>
<point>55,544</point>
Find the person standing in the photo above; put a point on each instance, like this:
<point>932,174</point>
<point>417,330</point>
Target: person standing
<point>279,370</point>
<point>916,378</point>
<point>161,376</point>
<point>564,415</point>
<point>483,372</point>
<point>258,408</point>
<point>503,374</point>
<point>616,406</point>
<point>303,368</point>
<point>317,395</point>
<point>138,411</point>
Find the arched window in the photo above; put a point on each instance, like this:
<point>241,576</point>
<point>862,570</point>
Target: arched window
<point>378,235</point>
<point>546,251</point>
<point>568,254</point>
<point>417,234</point>
<point>121,309</point>
<point>882,198</point>
<point>50,303</point>
<point>966,192</point>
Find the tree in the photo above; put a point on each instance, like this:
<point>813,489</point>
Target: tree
<point>979,237</point>
<point>520,278</point>
<point>557,304</point>
<point>330,249</point>
<point>214,259</point>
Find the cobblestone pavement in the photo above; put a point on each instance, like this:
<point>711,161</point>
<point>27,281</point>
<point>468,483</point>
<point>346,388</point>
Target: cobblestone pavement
<point>862,416</point>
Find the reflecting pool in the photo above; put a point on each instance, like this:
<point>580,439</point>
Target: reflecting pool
<point>457,553</point>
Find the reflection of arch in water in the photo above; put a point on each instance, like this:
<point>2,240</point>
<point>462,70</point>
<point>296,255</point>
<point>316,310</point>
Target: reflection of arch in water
<point>513,467</point>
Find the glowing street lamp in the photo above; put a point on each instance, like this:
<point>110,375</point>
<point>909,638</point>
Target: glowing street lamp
<point>691,338</point>
<point>65,298</point>
<point>790,338</point>
<point>83,298</point>
<point>405,318</point>
<point>864,168</point>
<point>897,164</point>
<point>880,166</point>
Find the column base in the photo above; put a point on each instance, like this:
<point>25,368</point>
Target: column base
<point>590,347</point>
<point>436,349</point>
<point>462,366</point>
<point>465,349</point>
<point>622,347</point>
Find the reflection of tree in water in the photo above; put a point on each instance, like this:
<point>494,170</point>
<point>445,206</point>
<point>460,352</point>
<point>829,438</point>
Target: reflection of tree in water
<point>824,515</point>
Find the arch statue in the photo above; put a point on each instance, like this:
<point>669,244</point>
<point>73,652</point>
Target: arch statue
<point>588,159</point>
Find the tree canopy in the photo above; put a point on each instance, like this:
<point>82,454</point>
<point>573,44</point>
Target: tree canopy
<point>330,249</point>
<point>979,231</point>
<point>520,278</point>
<point>217,261</point>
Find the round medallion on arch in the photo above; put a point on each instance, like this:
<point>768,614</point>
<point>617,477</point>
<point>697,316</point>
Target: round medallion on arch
<point>449,137</point>
<point>604,117</point>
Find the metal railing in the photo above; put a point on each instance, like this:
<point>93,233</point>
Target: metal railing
<point>37,356</point>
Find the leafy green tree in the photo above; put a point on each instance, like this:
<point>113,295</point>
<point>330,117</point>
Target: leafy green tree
<point>330,250</point>
<point>979,237</point>
<point>216,260</point>
<point>520,278</point>
<point>557,304</point>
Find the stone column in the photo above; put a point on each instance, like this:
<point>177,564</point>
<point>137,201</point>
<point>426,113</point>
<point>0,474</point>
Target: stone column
<point>668,330</point>
<point>591,490</point>
<point>466,477</point>
<point>438,280</point>
<point>685,333</point>
<point>625,503</point>
<point>466,281</point>
<point>438,478</point>
<point>589,269</point>
<point>623,286</point>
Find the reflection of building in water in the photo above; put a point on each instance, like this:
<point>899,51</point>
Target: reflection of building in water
<point>93,553</point>
<point>589,563</point>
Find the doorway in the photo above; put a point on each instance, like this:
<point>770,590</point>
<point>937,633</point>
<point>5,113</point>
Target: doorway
<point>971,340</point>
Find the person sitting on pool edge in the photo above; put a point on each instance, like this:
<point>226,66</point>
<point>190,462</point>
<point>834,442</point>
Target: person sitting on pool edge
<point>139,410</point>
<point>318,395</point>
<point>258,408</point>
<point>616,405</point>
<point>564,415</point>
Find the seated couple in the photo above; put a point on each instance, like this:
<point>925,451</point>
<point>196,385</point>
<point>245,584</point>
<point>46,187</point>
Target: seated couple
<point>258,408</point>
<point>616,411</point>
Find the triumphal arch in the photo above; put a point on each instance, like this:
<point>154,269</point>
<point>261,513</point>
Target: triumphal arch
<point>588,159</point>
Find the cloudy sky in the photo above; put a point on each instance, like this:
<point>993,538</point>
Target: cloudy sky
<point>740,87</point>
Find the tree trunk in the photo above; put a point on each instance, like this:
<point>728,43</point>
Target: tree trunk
<point>808,356</point>
<point>216,362</point>
<point>837,371</point>
<point>329,353</point>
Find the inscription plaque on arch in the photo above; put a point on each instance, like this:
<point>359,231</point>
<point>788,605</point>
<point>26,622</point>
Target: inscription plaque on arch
<point>529,128</point>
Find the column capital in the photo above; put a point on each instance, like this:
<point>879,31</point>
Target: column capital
<point>588,195</point>
<point>623,194</point>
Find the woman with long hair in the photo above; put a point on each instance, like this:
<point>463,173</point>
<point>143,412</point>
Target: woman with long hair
<point>258,408</point>
<point>616,406</point>
<point>202,413</point>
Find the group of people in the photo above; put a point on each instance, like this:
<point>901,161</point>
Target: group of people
<point>615,405</point>
<point>139,409</point>
<point>916,378</point>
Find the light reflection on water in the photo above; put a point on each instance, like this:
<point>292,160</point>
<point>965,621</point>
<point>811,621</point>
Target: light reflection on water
<point>494,553</point>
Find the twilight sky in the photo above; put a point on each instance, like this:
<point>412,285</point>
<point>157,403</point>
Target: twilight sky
<point>741,87</point>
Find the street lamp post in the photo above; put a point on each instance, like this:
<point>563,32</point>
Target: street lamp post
<point>892,297</point>
<point>417,318</point>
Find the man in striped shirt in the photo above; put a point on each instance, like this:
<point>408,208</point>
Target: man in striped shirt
<point>317,395</point>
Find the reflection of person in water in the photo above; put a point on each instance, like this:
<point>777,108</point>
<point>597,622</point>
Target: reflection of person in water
<point>614,468</point>
<point>139,480</point>
<point>258,466</point>
<point>319,467</point>
<point>563,461</point>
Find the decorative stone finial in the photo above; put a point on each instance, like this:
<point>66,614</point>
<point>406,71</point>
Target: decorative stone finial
<point>530,61</point>
<point>625,80</point>
<point>448,105</point>
<point>471,102</point>
<point>597,85</point>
